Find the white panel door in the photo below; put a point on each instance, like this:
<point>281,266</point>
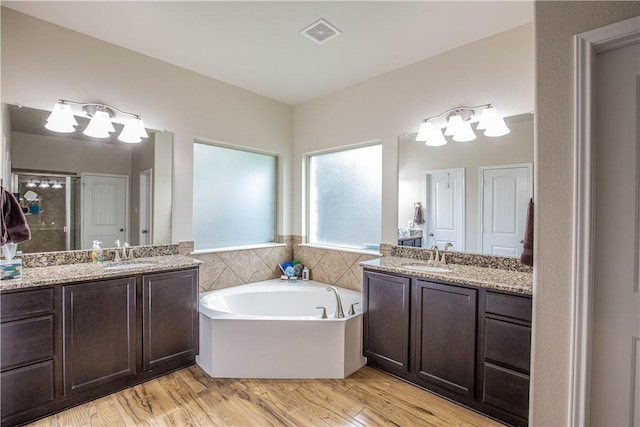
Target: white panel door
<point>506,191</point>
<point>445,208</point>
<point>615,364</point>
<point>104,209</point>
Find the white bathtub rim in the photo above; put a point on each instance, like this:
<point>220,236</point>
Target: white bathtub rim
<point>276,285</point>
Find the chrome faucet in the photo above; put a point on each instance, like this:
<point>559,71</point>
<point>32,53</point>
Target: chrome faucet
<point>339,311</point>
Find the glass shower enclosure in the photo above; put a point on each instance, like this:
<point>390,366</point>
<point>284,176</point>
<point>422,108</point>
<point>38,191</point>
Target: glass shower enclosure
<point>51,204</point>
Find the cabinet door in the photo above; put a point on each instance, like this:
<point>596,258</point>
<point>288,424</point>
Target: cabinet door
<point>99,333</point>
<point>444,340</point>
<point>170,317</point>
<point>386,321</point>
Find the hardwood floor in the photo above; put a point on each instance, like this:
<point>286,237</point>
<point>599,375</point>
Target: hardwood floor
<point>189,397</point>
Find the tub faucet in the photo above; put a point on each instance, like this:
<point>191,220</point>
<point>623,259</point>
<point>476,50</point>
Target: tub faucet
<point>339,311</point>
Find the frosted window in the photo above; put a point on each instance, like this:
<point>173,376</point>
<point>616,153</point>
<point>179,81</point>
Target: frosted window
<point>345,198</point>
<point>234,197</point>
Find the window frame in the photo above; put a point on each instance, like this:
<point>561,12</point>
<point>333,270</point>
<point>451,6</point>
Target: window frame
<point>277,196</point>
<point>307,191</point>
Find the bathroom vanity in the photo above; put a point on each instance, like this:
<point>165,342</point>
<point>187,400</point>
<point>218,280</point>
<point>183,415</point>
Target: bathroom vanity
<point>72,333</point>
<point>464,334</point>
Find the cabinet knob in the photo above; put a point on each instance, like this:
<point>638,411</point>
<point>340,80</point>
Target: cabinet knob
<point>121,230</point>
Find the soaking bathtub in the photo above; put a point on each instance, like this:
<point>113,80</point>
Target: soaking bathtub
<point>272,329</point>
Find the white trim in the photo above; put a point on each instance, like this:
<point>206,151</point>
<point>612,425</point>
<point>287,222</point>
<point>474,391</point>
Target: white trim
<point>237,248</point>
<point>586,46</point>
<point>340,249</point>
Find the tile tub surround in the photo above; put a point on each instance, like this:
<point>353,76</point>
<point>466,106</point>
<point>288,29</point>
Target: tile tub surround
<point>45,259</point>
<point>332,266</point>
<point>238,267</point>
<point>483,277</point>
<point>463,258</point>
<point>68,273</point>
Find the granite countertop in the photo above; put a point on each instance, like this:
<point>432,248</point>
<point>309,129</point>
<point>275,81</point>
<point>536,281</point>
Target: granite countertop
<point>60,274</point>
<point>482,277</point>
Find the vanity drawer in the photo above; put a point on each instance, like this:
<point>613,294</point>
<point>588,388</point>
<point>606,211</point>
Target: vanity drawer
<point>513,306</point>
<point>27,388</point>
<point>26,341</point>
<point>508,344</point>
<point>506,390</point>
<point>26,303</point>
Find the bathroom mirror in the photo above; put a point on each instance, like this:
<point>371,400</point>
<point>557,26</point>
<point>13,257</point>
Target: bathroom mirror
<point>129,184</point>
<point>472,194</point>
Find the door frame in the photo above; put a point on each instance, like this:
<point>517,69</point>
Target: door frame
<point>586,46</point>
<point>148,173</point>
<point>82,197</point>
<point>481,170</point>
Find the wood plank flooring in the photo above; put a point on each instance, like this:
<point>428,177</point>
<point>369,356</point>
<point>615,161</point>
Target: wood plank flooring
<point>190,397</point>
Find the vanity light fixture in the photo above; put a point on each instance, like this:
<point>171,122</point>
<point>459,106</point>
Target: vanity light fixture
<point>32,183</point>
<point>44,184</point>
<point>56,184</point>
<point>102,116</point>
<point>458,126</point>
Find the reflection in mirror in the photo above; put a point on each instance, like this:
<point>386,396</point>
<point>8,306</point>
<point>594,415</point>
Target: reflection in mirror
<point>471,195</point>
<point>86,188</point>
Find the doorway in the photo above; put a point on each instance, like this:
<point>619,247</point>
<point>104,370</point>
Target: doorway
<point>145,203</point>
<point>445,196</point>
<point>104,209</point>
<point>605,377</point>
<point>504,197</point>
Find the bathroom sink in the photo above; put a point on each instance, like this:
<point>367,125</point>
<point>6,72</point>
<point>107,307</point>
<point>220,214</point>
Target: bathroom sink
<point>427,268</point>
<point>127,265</point>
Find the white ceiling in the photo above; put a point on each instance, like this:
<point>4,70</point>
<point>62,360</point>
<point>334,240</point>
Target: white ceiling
<point>257,45</point>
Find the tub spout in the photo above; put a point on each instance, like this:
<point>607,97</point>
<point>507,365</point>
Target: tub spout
<point>339,311</point>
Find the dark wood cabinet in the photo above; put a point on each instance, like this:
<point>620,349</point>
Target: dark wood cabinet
<point>27,352</point>
<point>169,317</point>
<point>99,333</point>
<point>444,336</point>
<point>67,344</point>
<point>386,321</point>
<point>410,241</point>
<point>469,344</point>
<point>505,356</point>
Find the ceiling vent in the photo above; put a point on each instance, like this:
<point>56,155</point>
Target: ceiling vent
<point>321,31</point>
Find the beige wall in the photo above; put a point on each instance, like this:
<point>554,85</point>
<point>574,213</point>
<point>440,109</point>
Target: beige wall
<point>42,62</point>
<point>556,24</point>
<point>29,151</point>
<point>415,158</point>
<point>498,69</point>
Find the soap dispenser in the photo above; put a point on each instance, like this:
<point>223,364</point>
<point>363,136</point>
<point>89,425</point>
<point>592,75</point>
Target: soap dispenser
<point>96,252</point>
